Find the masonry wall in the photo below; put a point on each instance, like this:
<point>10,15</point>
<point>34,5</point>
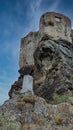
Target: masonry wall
<point>27,48</point>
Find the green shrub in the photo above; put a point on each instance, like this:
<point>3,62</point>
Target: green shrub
<point>8,127</point>
<point>60,98</point>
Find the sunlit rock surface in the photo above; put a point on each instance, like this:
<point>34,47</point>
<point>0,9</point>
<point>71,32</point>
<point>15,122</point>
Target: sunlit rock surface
<point>27,84</point>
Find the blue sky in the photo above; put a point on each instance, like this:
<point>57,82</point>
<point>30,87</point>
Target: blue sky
<point>17,19</point>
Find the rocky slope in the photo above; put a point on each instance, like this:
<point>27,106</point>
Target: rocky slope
<point>34,113</point>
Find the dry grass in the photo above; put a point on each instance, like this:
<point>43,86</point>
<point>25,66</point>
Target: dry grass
<point>21,103</point>
<point>49,117</point>
<point>58,120</point>
<point>40,122</point>
<point>28,99</point>
<point>27,127</point>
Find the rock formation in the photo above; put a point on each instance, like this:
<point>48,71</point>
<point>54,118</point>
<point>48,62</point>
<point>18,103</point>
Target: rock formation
<point>52,25</point>
<point>42,97</point>
<point>47,55</point>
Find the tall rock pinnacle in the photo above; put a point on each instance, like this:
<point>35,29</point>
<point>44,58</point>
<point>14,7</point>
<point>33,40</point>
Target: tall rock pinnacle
<point>47,55</point>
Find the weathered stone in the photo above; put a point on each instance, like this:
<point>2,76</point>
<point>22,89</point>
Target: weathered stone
<point>50,27</point>
<point>48,60</point>
<point>53,68</point>
<point>28,46</point>
<point>15,88</point>
<point>28,69</point>
<point>33,113</point>
<point>56,25</point>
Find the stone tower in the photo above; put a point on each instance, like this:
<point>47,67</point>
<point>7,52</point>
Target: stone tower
<point>56,25</point>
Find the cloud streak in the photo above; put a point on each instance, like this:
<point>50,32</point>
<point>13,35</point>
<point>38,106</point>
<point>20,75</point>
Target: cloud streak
<point>37,10</point>
<point>54,5</point>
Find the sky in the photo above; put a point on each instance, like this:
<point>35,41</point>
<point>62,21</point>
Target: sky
<point>17,19</point>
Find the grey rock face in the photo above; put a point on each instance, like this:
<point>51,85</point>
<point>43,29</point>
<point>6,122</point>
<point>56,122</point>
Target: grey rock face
<point>47,55</point>
<point>53,68</point>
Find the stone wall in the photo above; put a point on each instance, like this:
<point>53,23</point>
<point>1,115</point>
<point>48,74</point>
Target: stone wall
<point>27,48</point>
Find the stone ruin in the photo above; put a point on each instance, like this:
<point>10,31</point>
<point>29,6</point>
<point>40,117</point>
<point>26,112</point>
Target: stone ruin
<point>44,52</point>
<point>54,25</point>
